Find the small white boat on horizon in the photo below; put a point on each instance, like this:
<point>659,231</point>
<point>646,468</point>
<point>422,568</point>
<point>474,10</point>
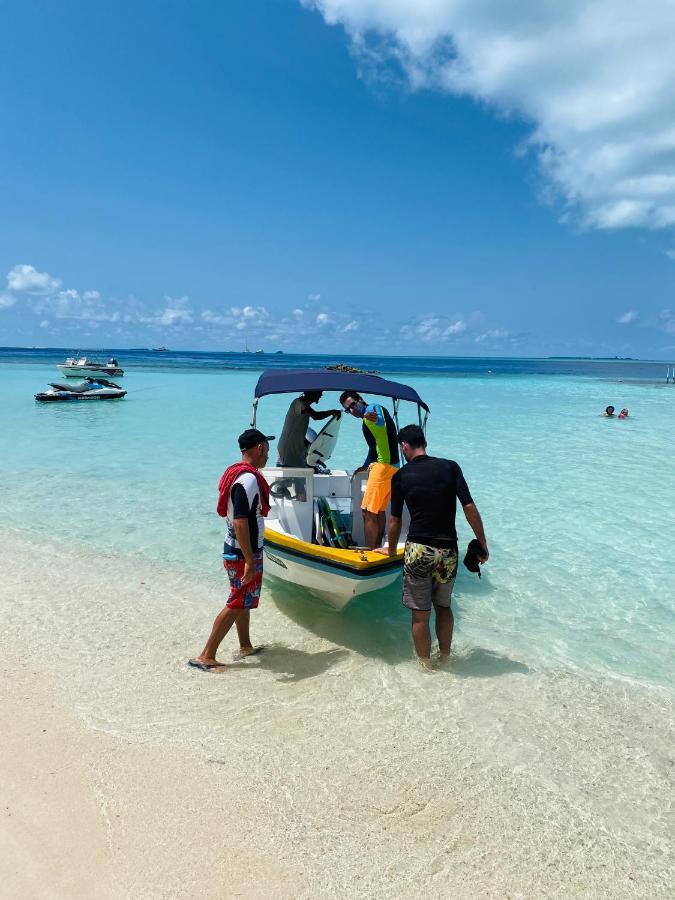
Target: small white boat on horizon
<point>83,367</point>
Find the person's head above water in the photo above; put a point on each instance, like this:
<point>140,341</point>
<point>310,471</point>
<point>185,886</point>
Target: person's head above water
<point>624,413</point>
<point>353,403</point>
<point>312,396</point>
<point>609,410</point>
<point>412,440</point>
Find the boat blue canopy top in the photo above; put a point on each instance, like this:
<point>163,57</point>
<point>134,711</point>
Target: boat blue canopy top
<point>295,381</point>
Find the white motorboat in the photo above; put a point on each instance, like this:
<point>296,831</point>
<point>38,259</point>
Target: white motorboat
<point>89,389</point>
<point>314,534</point>
<point>83,367</point>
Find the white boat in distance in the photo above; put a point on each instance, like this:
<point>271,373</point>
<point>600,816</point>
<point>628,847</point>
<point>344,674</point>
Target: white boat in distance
<point>83,367</point>
<point>314,536</point>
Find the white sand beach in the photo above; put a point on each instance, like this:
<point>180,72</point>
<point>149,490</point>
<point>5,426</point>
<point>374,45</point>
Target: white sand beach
<point>313,770</point>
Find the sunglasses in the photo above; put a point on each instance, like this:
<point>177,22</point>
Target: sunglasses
<point>350,407</point>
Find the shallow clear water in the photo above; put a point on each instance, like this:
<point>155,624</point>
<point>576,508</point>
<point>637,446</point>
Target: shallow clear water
<point>578,509</point>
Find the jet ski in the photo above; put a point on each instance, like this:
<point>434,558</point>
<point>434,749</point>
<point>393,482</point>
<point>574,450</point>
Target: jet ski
<point>89,389</point>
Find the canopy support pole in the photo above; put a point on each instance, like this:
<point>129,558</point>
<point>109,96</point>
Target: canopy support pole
<point>396,403</point>
<point>254,412</point>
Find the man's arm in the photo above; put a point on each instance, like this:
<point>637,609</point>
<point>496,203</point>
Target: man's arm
<point>243,533</point>
<point>476,523</point>
<point>372,449</point>
<point>324,414</point>
<point>393,534</point>
<point>395,517</point>
<point>374,413</point>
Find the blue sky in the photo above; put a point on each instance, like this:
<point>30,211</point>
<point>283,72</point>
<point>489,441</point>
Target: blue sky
<point>334,175</point>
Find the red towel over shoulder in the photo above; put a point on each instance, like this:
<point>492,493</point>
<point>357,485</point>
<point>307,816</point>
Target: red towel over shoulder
<point>227,480</point>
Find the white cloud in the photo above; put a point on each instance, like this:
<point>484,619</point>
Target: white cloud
<point>298,313</point>
<point>456,328</point>
<point>493,334</point>
<point>248,317</point>
<point>216,318</point>
<point>250,313</point>
<point>70,304</point>
<point>322,319</point>
<point>6,300</point>
<point>351,326</point>
<point>627,318</point>
<point>176,313</point>
<point>427,329</point>
<point>594,80</point>
<point>670,254</point>
<point>175,316</point>
<point>44,323</point>
<point>314,298</point>
<point>668,321</point>
<point>433,327</point>
<point>26,279</point>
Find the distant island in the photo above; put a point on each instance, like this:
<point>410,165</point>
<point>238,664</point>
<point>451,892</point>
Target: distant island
<point>343,367</point>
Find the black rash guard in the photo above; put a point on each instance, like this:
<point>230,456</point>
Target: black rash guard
<point>242,509</point>
<point>430,487</point>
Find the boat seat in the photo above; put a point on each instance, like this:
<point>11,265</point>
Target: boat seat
<point>71,388</point>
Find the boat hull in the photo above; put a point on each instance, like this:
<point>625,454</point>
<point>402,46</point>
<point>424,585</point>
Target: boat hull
<point>333,580</point>
<point>64,397</point>
<point>90,371</point>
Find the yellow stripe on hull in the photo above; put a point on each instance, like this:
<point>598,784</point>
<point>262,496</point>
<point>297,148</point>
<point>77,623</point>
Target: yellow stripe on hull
<point>360,560</point>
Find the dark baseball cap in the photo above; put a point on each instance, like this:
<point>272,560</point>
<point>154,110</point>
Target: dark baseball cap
<point>252,437</point>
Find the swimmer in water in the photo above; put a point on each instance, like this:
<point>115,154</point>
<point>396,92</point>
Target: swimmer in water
<point>624,413</point>
<point>609,412</point>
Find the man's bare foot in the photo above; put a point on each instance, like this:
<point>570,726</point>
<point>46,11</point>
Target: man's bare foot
<point>425,663</point>
<point>207,665</point>
<point>443,659</point>
<point>243,652</point>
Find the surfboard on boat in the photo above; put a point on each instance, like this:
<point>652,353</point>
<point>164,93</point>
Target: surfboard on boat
<point>323,444</point>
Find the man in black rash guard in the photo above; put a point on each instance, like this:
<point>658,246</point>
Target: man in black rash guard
<point>430,488</point>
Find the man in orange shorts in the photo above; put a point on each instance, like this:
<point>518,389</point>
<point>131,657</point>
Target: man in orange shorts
<point>382,462</point>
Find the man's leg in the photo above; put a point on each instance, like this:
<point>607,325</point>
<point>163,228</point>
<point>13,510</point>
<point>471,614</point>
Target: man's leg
<point>251,592</point>
<point>441,596</point>
<point>222,624</point>
<point>245,646</point>
<point>371,529</point>
<point>422,636</point>
<point>242,598</point>
<point>445,622</point>
<point>381,524</point>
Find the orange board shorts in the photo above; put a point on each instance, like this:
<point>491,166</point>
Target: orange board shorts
<point>378,488</point>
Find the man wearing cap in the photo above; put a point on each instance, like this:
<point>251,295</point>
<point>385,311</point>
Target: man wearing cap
<point>243,501</point>
<point>430,487</point>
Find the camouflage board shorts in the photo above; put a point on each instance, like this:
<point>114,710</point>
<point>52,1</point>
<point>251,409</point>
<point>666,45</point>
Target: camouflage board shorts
<point>428,575</point>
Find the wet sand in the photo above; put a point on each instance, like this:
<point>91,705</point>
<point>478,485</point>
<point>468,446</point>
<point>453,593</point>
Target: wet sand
<point>327,766</point>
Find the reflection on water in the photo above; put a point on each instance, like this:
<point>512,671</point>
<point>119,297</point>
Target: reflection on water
<point>377,626</point>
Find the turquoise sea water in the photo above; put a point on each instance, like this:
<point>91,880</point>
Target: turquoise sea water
<point>578,509</point>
